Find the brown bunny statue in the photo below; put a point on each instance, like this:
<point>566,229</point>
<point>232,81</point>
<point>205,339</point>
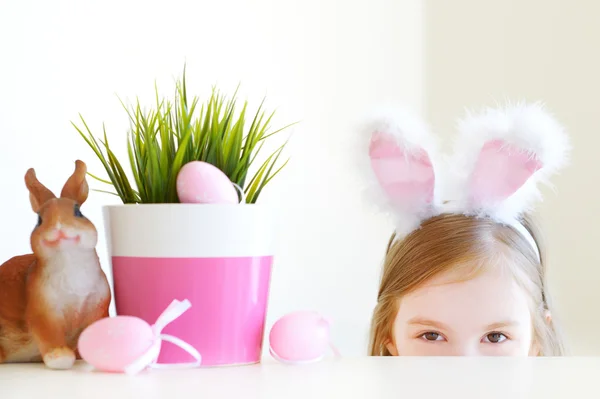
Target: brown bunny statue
<point>47,298</point>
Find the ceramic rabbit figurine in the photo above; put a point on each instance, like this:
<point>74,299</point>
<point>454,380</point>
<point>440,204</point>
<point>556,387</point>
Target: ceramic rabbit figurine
<point>47,298</point>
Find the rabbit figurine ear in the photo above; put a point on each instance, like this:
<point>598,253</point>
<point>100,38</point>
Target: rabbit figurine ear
<point>38,193</point>
<point>76,188</point>
<point>399,153</point>
<point>507,153</point>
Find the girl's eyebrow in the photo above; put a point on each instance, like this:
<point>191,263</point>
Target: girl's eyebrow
<point>502,324</point>
<point>421,321</point>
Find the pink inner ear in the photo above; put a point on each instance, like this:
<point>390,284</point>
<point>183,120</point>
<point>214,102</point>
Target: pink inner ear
<point>500,171</point>
<point>406,177</point>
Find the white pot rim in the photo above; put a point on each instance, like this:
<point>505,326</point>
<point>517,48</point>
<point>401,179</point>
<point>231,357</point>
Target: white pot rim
<point>189,230</point>
<point>171,205</point>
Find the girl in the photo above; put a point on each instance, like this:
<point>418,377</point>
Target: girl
<point>464,272</point>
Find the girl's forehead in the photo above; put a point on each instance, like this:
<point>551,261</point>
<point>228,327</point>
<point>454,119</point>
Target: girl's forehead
<point>491,273</point>
<point>488,297</point>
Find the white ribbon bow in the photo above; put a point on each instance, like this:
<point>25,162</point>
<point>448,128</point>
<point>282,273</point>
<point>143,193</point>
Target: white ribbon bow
<point>149,359</point>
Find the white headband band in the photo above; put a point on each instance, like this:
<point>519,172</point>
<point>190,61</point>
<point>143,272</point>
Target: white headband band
<point>453,207</point>
<point>525,233</point>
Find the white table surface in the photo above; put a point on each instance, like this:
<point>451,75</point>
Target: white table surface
<point>367,377</point>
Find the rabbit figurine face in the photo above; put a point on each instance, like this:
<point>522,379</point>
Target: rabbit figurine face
<point>50,296</point>
<point>61,226</point>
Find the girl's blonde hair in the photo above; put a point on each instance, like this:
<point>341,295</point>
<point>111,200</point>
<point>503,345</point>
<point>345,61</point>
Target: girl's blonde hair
<point>449,241</point>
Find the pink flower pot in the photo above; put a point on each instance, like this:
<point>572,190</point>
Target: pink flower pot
<point>219,257</point>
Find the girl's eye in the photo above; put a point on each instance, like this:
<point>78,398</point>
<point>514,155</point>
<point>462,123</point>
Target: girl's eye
<point>39,221</point>
<point>495,338</point>
<point>432,336</point>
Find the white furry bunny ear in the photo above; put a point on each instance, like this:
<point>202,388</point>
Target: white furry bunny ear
<point>399,151</point>
<point>503,154</point>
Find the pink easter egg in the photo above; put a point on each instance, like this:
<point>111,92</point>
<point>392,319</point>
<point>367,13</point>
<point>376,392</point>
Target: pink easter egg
<point>111,344</point>
<point>203,183</point>
<point>300,337</point>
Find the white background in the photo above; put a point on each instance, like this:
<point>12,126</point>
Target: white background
<point>324,63</point>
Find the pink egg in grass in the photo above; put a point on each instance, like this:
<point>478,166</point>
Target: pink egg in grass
<point>203,183</point>
<point>300,337</point>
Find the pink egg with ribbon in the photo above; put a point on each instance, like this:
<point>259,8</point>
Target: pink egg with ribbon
<point>127,344</point>
<point>112,344</point>
<point>300,337</point>
<point>203,183</point>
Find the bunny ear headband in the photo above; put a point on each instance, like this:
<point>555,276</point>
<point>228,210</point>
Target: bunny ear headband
<point>499,158</point>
